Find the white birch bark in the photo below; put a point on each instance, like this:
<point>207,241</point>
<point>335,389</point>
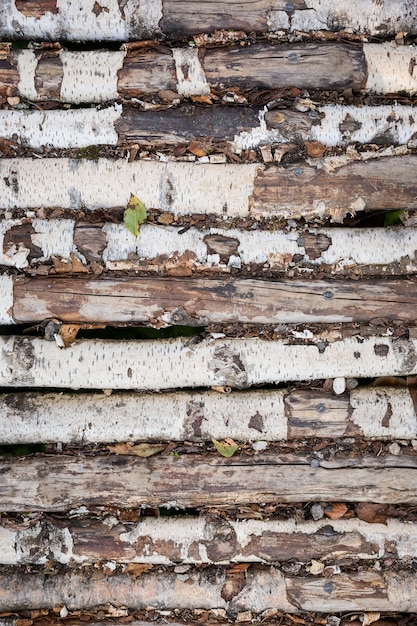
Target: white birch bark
<point>139,19</point>
<point>150,541</point>
<point>175,363</point>
<point>347,247</point>
<point>97,126</point>
<point>76,21</point>
<point>249,416</point>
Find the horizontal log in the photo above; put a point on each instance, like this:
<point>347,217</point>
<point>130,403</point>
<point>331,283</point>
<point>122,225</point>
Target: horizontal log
<point>200,302</point>
<point>381,412</point>
<point>176,363</point>
<point>256,590</point>
<point>121,21</point>
<point>39,75</point>
<point>60,483</point>
<point>199,540</point>
<point>229,190</point>
<point>25,243</point>
<point>242,128</point>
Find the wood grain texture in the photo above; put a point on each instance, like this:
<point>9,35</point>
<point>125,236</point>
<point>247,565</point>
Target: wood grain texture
<point>196,71</point>
<point>202,301</point>
<point>215,127</point>
<point>196,362</point>
<point>360,185</point>
<point>135,19</point>
<point>201,540</point>
<point>62,483</point>
<point>297,190</point>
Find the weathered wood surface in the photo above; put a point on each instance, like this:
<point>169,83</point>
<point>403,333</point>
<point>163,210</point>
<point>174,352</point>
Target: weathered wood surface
<point>120,20</point>
<point>38,75</point>
<point>257,590</point>
<point>228,190</point>
<point>381,412</point>
<point>27,243</point>
<point>194,362</point>
<point>240,128</point>
<point>199,540</point>
<point>199,302</point>
<point>61,483</point>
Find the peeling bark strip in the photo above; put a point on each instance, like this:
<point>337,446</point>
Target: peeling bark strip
<point>101,76</point>
<point>202,301</point>
<point>242,128</point>
<point>266,415</point>
<point>226,190</point>
<point>116,20</point>
<point>166,541</point>
<point>175,363</point>
<point>262,588</point>
<point>60,483</point>
<point>378,251</point>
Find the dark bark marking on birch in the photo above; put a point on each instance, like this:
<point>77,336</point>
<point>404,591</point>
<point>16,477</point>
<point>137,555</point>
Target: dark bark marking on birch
<point>405,350</point>
<point>90,241</point>
<point>98,9</point>
<point>229,368</point>
<point>21,235</point>
<point>381,349</point>
<point>256,422</point>
<point>9,76</point>
<point>36,8</point>
<point>349,125</point>
<point>49,74</point>
<point>385,422</point>
<point>194,421</point>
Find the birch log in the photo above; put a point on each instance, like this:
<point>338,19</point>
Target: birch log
<point>60,483</point>
<point>241,128</point>
<point>200,302</point>
<point>135,19</point>
<point>260,589</point>
<point>26,243</point>
<point>199,540</point>
<point>229,190</point>
<point>176,363</point>
<point>39,75</point>
<point>381,412</point>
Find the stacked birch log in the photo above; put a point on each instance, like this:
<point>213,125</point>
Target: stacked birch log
<point>265,140</point>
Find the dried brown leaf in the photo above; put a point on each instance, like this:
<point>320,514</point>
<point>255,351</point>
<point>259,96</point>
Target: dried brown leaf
<point>68,333</point>
<point>143,450</point>
<point>134,570</point>
<point>336,510</point>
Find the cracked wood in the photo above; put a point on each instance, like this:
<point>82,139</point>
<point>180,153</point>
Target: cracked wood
<point>201,301</point>
<point>61,483</point>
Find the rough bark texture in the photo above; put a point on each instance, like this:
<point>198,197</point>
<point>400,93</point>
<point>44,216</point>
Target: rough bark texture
<point>62,483</point>
<point>199,540</point>
<point>380,412</point>
<point>28,243</point>
<point>176,363</point>
<point>227,190</point>
<point>191,72</point>
<point>135,19</point>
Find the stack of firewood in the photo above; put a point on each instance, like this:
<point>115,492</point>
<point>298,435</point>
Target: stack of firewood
<point>208,312</point>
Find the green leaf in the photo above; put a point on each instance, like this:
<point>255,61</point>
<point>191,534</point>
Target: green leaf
<point>134,215</point>
<point>226,448</point>
<point>393,217</point>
